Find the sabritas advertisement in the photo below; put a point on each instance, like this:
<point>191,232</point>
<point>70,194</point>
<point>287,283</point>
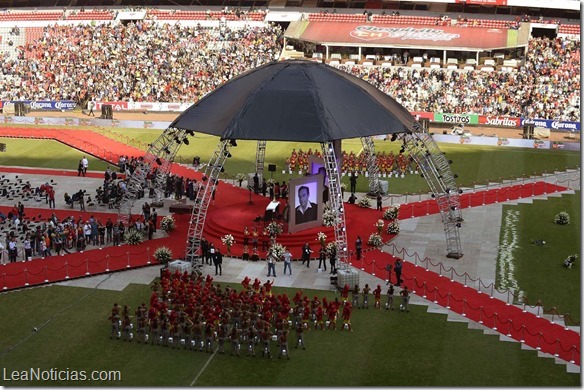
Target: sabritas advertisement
<point>404,35</point>
<point>499,120</point>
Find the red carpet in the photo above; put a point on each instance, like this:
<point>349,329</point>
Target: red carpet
<point>90,262</point>
<point>480,307</point>
<point>231,213</point>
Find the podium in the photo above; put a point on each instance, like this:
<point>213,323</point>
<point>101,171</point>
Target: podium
<point>271,210</point>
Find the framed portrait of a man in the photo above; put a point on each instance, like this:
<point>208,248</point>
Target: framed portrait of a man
<point>305,203</point>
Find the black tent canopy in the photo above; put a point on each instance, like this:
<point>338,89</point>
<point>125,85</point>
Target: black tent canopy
<point>295,100</point>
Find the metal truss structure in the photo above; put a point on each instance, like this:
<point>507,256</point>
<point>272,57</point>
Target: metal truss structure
<point>436,170</point>
<point>160,154</point>
<point>204,196</point>
<point>260,158</point>
<point>336,204</point>
<point>372,168</point>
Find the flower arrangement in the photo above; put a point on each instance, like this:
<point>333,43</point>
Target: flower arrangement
<point>274,228</point>
<point>329,218</point>
<point>562,218</point>
<point>168,224</point>
<point>379,225</point>
<point>278,250</point>
<point>570,260</point>
<point>330,247</point>
<point>364,202</point>
<point>391,212</point>
<point>321,237</point>
<point>375,240</point>
<point>228,241</point>
<point>133,236</point>
<point>240,177</point>
<point>393,227</point>
<point>163,254</point>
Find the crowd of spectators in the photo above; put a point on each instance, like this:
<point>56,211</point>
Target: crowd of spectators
<point>142,61</point>
<point>546,86</point>
<point>146,61</point>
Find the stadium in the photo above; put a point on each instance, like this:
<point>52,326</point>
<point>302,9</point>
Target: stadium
<point>170,171</point>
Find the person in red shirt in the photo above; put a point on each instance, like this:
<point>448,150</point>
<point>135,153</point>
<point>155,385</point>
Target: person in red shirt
<point>377,297</point>
<point>347,310</point>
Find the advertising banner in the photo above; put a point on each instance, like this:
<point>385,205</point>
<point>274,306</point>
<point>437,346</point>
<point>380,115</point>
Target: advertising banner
<point>466,119</point>
<point>551,124</point>
<point>116,106</point>
<point>423,114</point>
<point>483,2</point>
<point>496,120</point>
<point>46,105</point>
<point>403,35</point>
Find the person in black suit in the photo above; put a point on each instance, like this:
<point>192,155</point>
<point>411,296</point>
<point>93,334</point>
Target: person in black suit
<point>217,261</point>
<point>306,211</point>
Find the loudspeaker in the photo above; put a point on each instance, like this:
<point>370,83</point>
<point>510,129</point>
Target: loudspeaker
<point>528,131</point>
<point>107,111</point>
<point>19,109</point>
<point>272,168</point>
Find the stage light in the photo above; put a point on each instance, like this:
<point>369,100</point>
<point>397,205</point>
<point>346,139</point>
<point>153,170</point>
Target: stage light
<point>455,175</point>
<point>158,161</point>
<point>166,150</point>
<point>226,154</point>
<point>421,174</point>
<point>222,169</point>
<point>453,208</point>
<point>190,132</point>
<point>186,141</point>
<point>449,161</point>
<point>460,191</point>
<point>393,137</point>
<point>448,190</point>
<point>433,196</point>
<point>233,142</point>
<point>458,224</point>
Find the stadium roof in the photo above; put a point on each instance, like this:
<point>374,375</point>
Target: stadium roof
<point>296,100</point>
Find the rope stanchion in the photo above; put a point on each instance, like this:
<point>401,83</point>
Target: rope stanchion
<point>440,269</point>
<point>554,311</point>
<point>522,334</point>
<point>538,304</point>
<point>540,335</point>
<point>495,321</point>
<point>465,275</point>
<point>448,301</point>
<point>435,293</point>
<point>128,265</point>
<point>46,277</point>
<point>427,263</point>
<point>452,274</point>
<point>87,267</point>
<point>26,276</point>
<point>148,254</point>
<point>480,315</point>
<point>373,268</point>
<point>107,263</point>
<point>4,279</point>
<point>510,326</point>
<point>427,208</point>
<point>363,263</point>
<point>573,352</point>
<point>66,270</point>
<point>492,290</point>
<point>508,293</point>
<point>556,354</point>
<point>415,285</point>
<point>424,286</point>
<point>484,192</point>
<point>524,303</point>
<point>463,307</point>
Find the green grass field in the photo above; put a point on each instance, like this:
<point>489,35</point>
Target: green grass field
<point>539,270</point>
<point>385,349</point>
